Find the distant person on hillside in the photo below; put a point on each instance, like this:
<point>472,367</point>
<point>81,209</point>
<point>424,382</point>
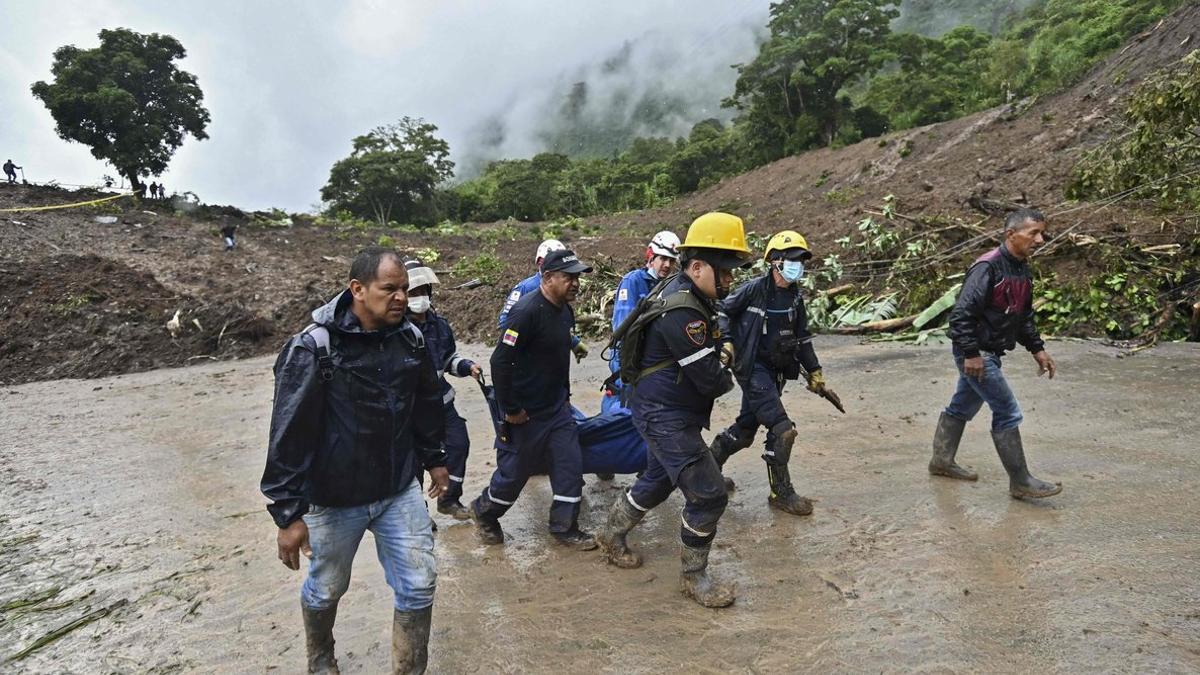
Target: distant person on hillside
<point>154,191</point>
<point>993,314</point>
<point>229,232</point>
<point>10,170</point>
<point>162,191</point>
<point>141,190</point>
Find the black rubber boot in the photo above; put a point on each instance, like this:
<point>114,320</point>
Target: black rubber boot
<point>486,527</point>
<point>410,641</point>
<point>318,639</point>
<point>454,509</point>
<point>945,446</point>
<point>1012,455</point>
<point>724,445</point>
<point>697,585</point>
<point>783,496</point>
<point>622,518</point>
<point>576,538</point>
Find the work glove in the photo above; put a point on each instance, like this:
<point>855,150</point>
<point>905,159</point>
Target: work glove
<point>727,354</point>
<point>581,351</point>
<point>816,381</point>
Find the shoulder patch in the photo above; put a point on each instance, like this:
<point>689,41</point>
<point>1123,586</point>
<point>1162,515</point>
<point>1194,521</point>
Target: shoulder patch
<point>514,296</point>
<point>696,331</point>
<point>510,337</point>
<point>623,294</point>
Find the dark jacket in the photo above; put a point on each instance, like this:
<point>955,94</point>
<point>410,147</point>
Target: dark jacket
<point>687,388</point>
<point>439,340</point>
<point>531,364</point>
<point>742,318</point>
<point>363,435</point>
<point>994,310</point>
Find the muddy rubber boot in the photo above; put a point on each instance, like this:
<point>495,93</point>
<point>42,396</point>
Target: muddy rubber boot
<point>454,509</point>
<point>410,641</point>
<point>945,446</point>
<point>722,448</point>
<point>622,518</point>
<point>576,538</point>
<point>487,528</point>
<point>697,585</point>
<point>1012,455</point>
<point>783,496</point>
<point>318,639</point>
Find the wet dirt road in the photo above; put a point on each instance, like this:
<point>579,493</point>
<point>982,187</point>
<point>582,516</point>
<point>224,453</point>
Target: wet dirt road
<point>131,503</point>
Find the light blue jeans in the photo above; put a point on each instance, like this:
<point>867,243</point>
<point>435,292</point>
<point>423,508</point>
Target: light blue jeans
<point>993,389</point>
<point>403,540</point>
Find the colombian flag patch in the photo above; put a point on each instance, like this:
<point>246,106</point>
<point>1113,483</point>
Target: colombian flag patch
<point>510,337</point>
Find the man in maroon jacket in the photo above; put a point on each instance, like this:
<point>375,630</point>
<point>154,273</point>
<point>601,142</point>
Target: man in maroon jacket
<point>993,313</point>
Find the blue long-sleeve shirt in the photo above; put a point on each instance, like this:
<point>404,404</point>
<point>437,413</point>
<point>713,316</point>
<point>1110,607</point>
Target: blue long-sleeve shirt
<point>634,286</point>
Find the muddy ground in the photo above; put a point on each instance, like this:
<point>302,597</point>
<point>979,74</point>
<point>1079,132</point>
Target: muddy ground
<point>137,494</point>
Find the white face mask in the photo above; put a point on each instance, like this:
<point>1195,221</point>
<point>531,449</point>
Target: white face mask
<point>791,270</point>
<point>419,304</point>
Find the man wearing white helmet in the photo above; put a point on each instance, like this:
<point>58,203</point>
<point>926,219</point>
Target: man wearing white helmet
<point>439,341</point>
<point>661,257</point>
<point>532,283</point>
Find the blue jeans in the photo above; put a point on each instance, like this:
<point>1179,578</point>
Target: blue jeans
<point>403,541</point>
<point>993,389</point>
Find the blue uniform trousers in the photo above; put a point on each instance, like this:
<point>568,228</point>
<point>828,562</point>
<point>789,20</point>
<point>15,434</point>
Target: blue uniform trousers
<point>549,437</point>
<point>679,458</point>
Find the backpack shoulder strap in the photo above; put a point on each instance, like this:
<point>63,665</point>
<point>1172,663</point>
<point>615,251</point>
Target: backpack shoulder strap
<point>320,335</point>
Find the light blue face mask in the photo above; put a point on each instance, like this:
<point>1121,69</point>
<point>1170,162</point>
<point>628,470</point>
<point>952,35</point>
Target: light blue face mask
<point>791,270</point>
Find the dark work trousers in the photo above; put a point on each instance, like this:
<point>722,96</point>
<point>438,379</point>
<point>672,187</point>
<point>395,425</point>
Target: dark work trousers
<point>549,437</point>
<point>679,458</point>
<point>458,447</point>
<point>761,405</point>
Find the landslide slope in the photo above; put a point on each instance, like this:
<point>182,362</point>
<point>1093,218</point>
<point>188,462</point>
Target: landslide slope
<point>80,298</point>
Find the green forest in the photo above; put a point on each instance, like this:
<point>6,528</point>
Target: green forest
<point>828,73</point>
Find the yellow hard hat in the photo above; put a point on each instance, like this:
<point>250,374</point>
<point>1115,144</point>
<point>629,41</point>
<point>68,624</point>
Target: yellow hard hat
<point>722,233</point>
<point>790,243</point>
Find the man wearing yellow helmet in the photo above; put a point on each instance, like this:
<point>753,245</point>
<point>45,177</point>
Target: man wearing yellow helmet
<point>768,325</point>
<point>681,374</point>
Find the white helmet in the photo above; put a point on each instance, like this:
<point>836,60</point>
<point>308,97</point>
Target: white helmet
<point>664,243</point>
<point>419,275</point>
<point>545,248</point>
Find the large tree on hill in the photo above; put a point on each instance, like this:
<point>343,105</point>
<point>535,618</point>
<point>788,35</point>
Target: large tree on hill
<point>126,99</point>
<point>391,174</point>
<point>790,94</point>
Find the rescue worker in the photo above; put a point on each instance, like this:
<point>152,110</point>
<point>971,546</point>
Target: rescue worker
<point>154,190</point>
<point>767,323</point>
<point>10,170</point>
<point>683,373</point>
<point>531,371</point>
<point>532,283</point>
<point>357,416</point>
<point>439,340</point>
<point>993,313</point>
<point>662,255</point>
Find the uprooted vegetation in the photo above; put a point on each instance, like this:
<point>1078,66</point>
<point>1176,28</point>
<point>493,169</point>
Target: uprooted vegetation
<point>892,222</point>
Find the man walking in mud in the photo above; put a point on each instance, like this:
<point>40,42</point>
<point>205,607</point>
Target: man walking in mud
<point>767,322</point>
<point>531,369</point>
<point>993,313</point>
<point>681,374</point>
<point>357,416</point>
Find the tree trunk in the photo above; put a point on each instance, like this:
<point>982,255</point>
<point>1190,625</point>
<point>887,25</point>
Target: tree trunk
<point>134,183</point>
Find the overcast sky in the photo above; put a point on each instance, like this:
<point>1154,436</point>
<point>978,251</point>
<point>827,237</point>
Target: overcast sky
<point>290,83</point>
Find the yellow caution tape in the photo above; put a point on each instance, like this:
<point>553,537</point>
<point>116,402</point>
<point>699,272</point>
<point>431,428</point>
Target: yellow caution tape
<point>65,206</point>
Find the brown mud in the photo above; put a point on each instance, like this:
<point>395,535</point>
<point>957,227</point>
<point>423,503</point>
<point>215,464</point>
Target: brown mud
<point>137,494</point>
